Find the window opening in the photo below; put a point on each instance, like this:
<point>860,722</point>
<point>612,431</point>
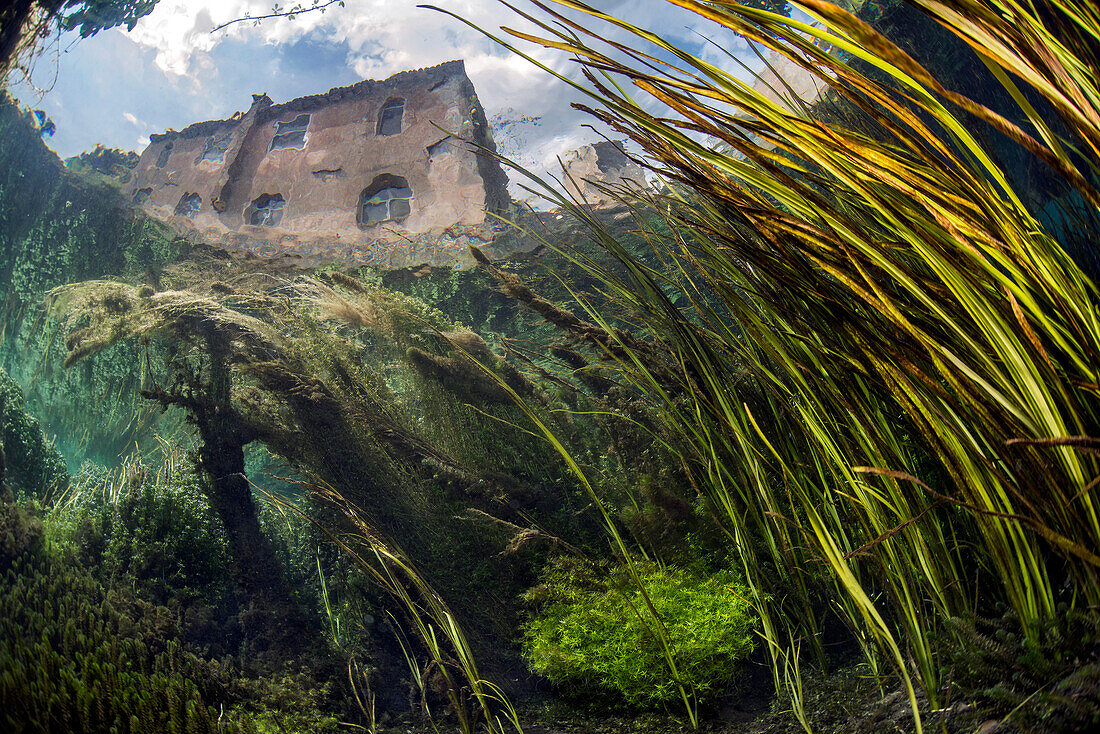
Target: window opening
<point>189,204</point>
<point>267,210</point>
<point>388,198</point>
<point>443,147</point>
<point>165,152</point>
<point>215,148</point>
<point>328,174</point>
<point>392,116</point>
<point>290,134</point>
<point>140,196</point>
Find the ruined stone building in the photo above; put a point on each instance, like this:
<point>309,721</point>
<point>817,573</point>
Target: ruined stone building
<point>374,172</point>
<point>593,172</point>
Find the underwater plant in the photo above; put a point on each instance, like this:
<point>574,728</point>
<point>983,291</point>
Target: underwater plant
<point>586,630</point>
<point>927,349</point>
<point>32,464</point>
<point>864,355</point>
<point>152,531</point>
<point>78,657</point>
<point>319,371</point>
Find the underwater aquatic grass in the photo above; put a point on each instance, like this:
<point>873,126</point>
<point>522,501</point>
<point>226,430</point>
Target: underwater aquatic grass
<point>365,700</point>
<point>332,617</point>
<point>429,615</point>
<point>927,352</point>
<point>645,612</point>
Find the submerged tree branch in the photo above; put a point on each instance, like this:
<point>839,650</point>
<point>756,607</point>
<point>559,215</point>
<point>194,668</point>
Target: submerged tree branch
<point>277,12</point>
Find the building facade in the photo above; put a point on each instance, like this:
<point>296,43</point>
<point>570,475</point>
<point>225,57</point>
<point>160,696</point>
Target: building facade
<point>379,171</point>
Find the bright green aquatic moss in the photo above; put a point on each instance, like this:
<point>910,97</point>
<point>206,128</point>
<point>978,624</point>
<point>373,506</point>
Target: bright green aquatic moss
<point>590,630</point>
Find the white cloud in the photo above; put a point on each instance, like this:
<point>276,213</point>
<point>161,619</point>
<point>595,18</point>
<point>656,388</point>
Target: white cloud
<point>180,30</point>
<point>130,118</point>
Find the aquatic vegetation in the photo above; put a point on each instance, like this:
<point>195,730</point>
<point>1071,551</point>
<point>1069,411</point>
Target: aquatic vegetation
<point>586,630</point>
<point>1054,681</point>
<point>57,226</point>
<point>76,657</point>
<point>154,533</point>
<point>927,350</point>
<point>840,351</point>
<point>290,703</point>
<point>33,465</point>
<point>123,618</point>
<point>317,370</point>
<point>324,581</point>
<point>20,528</point>
<point>451,667</point>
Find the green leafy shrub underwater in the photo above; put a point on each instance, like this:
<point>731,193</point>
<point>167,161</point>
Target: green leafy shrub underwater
<point>590,629</point>
<point>155,533</point>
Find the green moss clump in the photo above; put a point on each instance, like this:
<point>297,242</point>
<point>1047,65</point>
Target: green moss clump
<point>590,630</point>
<point>20,529</point>
<point>293,703</point>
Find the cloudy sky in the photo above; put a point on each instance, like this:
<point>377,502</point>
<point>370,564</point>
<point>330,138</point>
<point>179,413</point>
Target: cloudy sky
<point>117,87</point>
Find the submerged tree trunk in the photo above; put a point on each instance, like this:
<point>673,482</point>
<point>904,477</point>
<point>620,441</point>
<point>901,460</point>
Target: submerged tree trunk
<point>274,626</point>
